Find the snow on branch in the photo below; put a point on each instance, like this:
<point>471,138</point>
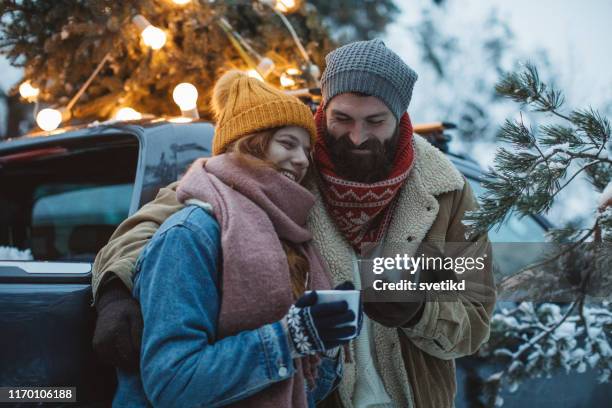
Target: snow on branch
<point>531,167</point>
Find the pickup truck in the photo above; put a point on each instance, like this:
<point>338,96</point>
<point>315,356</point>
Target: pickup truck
<point>62,196</point>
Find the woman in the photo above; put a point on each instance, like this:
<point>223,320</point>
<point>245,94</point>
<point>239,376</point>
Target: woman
<point>221,283</point>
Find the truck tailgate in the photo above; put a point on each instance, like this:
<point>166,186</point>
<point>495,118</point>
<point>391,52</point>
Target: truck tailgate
<point>47,326</point>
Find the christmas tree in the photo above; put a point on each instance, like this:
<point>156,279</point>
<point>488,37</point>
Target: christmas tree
<point>538,162</point>
<point>120,47</point>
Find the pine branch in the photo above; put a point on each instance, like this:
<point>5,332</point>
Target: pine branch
<point>574,176</point>
<point>593,125</point>
<point>496,379</point>
<point>526,88</point>
<point>527,179</point>
<point>516,133</point>
<point>541,336</point>
<point>558,134</point>
<point>550,260</point>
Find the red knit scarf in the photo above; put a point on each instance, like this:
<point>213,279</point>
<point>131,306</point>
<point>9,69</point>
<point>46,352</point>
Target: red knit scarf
<point>362,211</point>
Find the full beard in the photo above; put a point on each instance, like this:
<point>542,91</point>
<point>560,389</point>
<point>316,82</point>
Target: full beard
<point>371,166</point>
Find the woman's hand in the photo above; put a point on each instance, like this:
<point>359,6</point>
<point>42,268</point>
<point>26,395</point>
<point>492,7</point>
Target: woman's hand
<point>313,327</point>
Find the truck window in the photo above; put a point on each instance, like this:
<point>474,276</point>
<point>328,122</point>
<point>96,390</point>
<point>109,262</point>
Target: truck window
<point>65,202</point>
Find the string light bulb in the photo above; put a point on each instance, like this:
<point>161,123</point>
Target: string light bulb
<point>286,80</point>
<point>315,72</point>
<point>151,35</point>
<point>265,67</point>
<point>293,71</point>
<point>28,92</point>
<point>254,74</point>
<point>127,113</point>
<point>185,95</point>
<point>154,37</point>
<point>181,2</point>
<point>49,119</point>
<point>285,6</point>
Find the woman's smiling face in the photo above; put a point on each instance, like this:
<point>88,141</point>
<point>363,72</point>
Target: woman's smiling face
<point>289,150</point>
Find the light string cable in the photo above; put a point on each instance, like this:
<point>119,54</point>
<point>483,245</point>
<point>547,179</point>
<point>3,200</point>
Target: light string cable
<point>84,87</point>
<point>292,31</point>
<point>239,43</point>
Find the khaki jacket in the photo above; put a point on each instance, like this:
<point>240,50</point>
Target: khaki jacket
<point>430,207</point>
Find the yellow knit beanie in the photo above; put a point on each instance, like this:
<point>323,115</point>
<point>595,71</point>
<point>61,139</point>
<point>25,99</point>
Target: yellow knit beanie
<point>243,105</point>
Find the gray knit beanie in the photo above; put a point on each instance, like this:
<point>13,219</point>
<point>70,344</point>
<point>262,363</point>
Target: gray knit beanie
<point>371,68</point>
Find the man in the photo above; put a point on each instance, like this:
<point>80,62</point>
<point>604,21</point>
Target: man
<point>376,183</point>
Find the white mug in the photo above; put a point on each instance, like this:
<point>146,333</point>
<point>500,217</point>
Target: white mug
<point>352,297</point>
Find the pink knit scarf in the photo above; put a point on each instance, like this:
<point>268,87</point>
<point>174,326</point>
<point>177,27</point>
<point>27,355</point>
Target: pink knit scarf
<point>255,208</point>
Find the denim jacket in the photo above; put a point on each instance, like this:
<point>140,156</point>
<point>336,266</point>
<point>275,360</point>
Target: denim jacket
<point>183,363</point>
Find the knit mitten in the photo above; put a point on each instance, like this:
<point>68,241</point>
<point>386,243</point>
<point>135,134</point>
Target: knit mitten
<point>348,285</point>
<point>314,327</point>
<point>119,325</point>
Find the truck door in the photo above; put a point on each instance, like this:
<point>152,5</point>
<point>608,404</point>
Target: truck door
<point>59,204</point>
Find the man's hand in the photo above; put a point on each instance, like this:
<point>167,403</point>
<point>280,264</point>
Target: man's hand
<point>119,325</point>
<point>392,314</point>
<point>405,314</point>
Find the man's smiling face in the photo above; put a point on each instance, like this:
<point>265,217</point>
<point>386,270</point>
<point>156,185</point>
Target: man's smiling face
<point>361,118</point>
<point>361,136</point>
